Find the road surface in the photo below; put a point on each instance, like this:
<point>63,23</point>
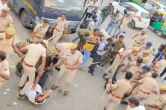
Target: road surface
<point>86,94</point>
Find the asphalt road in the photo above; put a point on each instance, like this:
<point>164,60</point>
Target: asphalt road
<point>86,94</point>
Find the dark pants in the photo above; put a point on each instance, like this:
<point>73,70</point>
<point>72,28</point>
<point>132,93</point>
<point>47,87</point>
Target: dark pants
<point>163,73</point>
<point>96,61</point>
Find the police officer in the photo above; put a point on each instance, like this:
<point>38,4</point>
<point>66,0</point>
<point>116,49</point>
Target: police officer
<point>148,87</point>
<point>41,28</point>
<point>34,52</point>
<point>71,61</point>
<point>59,29</point>
<point>117,91</point>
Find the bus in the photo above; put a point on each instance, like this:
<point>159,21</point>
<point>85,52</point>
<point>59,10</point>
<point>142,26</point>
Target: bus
<point>30,11</point>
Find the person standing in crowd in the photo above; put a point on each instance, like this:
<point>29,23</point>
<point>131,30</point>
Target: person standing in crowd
<point>34,52</point>
<point>71,62</point>
<point>134,104</point>
<point>160,67</point>
<point>98,54</point>
<point>117,91</point>
<point>59,29</point>
<point>6,29</point>
<point>4,69</point>
<point>160,54</point>
<point>140,39</point>
<point>41,28</point>
<point>147,53</point>
<point>119,43</point>
<point>116,63</point>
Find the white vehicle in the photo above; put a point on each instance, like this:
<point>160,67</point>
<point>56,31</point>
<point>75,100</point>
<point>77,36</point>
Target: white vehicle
<point>118,7</point>
<point>140,18</point>
<point>153,6</point>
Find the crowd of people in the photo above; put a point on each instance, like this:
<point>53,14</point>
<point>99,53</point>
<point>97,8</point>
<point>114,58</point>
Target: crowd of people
<point>139,67</point>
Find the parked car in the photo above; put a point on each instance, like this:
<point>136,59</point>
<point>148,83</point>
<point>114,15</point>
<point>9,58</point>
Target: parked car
<point>153,6</point>
<point>140,16</point>
<point>30,10</point>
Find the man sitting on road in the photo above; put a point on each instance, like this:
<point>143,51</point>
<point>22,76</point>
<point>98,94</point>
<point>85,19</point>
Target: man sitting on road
<point>36,95</point>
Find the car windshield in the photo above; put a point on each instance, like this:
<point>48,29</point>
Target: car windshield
<point>64,4</point>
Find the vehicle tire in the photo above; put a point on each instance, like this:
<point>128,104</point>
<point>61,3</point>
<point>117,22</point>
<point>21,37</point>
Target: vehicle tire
<point>24,18</point>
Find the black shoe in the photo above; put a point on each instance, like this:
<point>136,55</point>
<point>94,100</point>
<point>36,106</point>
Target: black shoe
<point>65,93</point>
<point>21,97</point>
<point>165,78</point>
<point>54,87</point>
<point>91,73</point>
<point>105,76</point>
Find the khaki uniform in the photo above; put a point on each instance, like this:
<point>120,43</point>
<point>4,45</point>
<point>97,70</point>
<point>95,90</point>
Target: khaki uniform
<point>5,43</point>
<point>59,29</point>
<point>148,87</point>
<point>41,30</point>
<point>66,75</point>
<point>156,102</point>
<point>139,41</point>
<point>135,70</point>
<point>116,63</point>
<point>118,91</point>
<point>147,56</point>
<point>4,69</point>
<point>34,53</point>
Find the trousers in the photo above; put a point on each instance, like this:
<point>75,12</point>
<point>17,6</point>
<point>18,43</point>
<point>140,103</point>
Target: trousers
<point>28,75</point>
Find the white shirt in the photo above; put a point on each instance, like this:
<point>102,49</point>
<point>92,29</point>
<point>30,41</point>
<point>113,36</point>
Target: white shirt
<point>32,93</point>
<point>101,49</point>
<point>140,107</point>
<point>35,51</point>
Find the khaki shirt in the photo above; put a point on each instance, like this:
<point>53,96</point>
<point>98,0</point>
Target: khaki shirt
<point>40,29</point>
<point>61,25</point>
<point>118,45</point>
<point>119,89</point>
<point>72,59</point>
<point>156,100</point>
<point>35,51</point>
<point>148,86</point>
<point>5,22</point>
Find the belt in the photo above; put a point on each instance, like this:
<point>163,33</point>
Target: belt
<point>28,64</point>
<point>154,107</point>
<point>118,97</point>
<point>2,31</point>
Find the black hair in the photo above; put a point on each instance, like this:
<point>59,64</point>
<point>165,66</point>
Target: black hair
<point>154,75</point>
<point>139,60</point>
<point>96,30</point>
<point>121,36</point>
<point>134,101</point>
<point>2,55</point>
<point>128,75</point>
